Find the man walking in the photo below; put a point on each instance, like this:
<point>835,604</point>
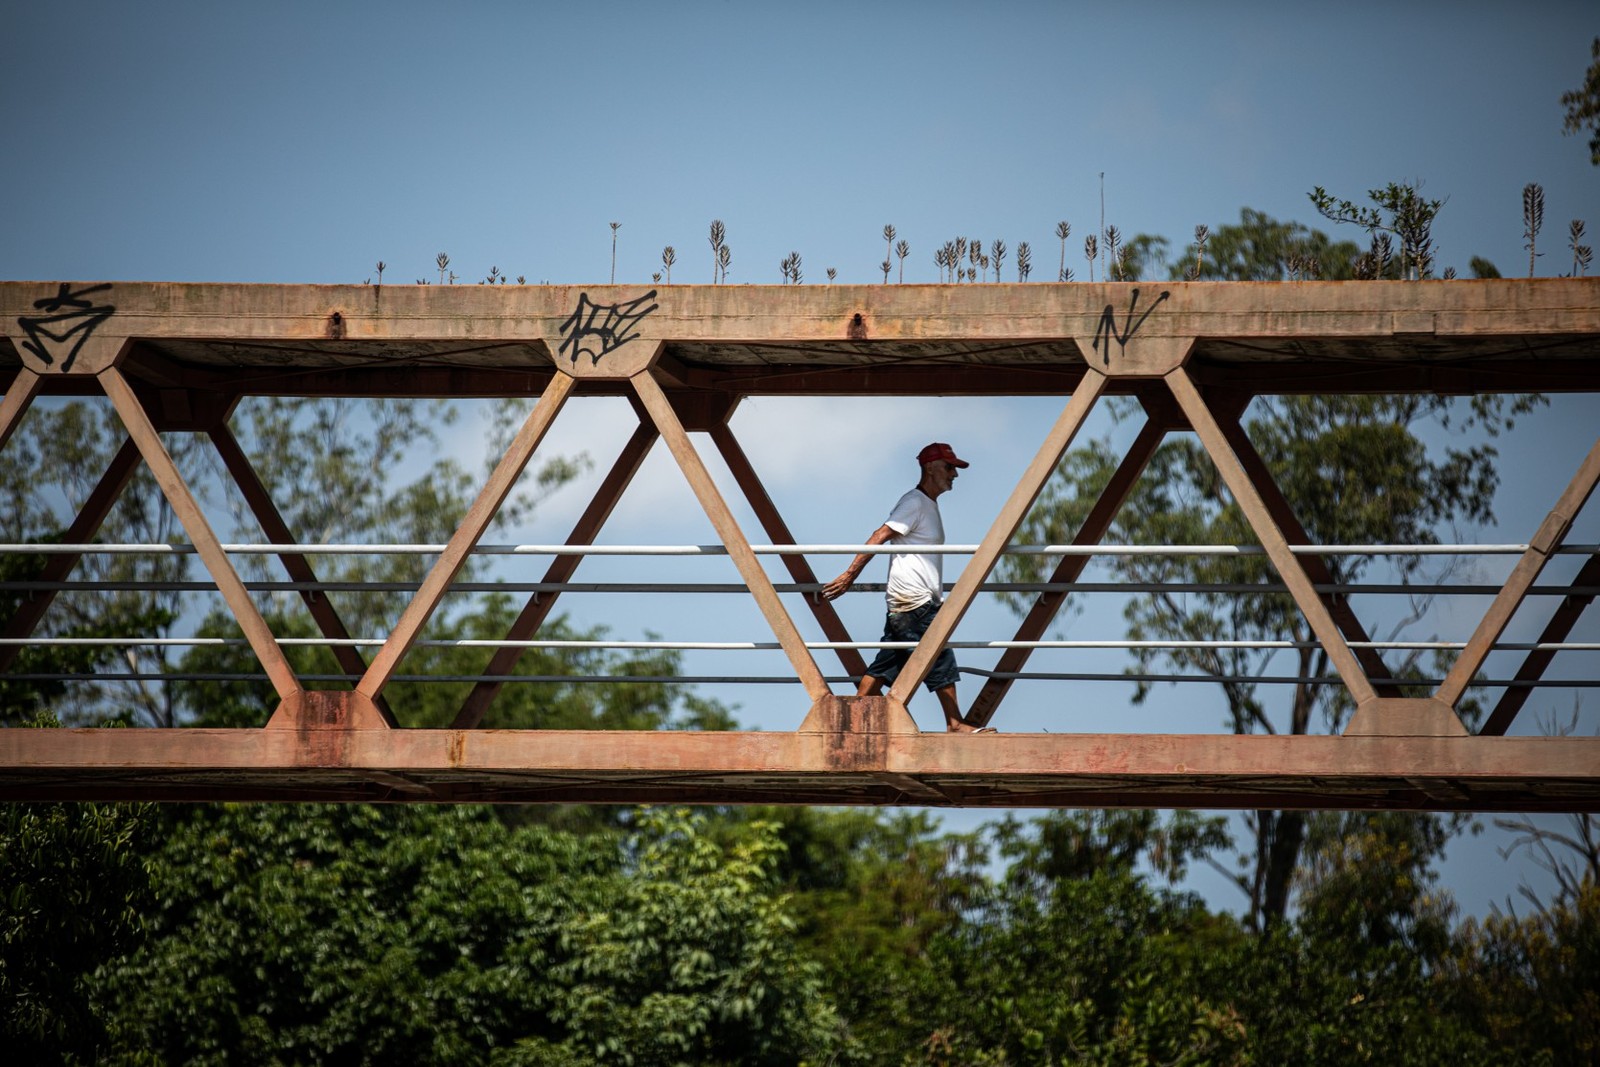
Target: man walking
<point>916,583</point>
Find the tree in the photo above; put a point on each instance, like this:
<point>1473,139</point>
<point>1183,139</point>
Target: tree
<point>72,892</point>
<point>1398,209</point>
<point>442,935</point>
<point>1532,985</point>
<point>1583,105</point>
<point>1260,249</point>
<point>873,893</point>
<point>1354,470</point>
<point>1074,957</point>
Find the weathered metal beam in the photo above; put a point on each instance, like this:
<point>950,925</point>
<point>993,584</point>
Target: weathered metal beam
<point>694,471</point>
<point>1048,605</point>
<point>1272,538</point>
<point>744,475</point>
<point>295,564</point>
<point>1316,567</point>
<point>19,394</point>
<point>501,481</point>
<point>398,376</point>
<point>1562,620</point>
<point>1552,531</point>
<point>561,568</point>
<point>83,529</point>
<point>1012,512</point>
<point>194,522</point>
<point>1005,770</point>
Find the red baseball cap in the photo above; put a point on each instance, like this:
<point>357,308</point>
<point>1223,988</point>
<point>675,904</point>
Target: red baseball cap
<point>940,450</point>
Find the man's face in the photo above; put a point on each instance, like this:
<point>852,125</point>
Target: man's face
<point>942,474</point>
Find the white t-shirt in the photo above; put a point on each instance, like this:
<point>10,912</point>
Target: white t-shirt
<point>915,579</point>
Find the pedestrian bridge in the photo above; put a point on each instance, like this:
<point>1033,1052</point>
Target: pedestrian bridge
<point>177,358</point>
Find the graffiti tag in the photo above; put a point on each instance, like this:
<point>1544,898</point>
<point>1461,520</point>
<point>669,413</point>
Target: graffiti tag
<point>68,319</point>
<point>1109,331</point>
<point>584,334</point>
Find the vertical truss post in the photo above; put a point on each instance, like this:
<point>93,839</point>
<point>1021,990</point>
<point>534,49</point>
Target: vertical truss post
<point>1316,568</point>
<point>994,542</point>
<point>1545,541</point>
<point>672,432</point>
<point>83,529</point>
<point>561,568</point>
<point>1048,604</point>
<point>1533,666</point>
<point>778,532</point>
<point>295,564</point>
<point>473,525</point>
<point>18,396</point>
<point>205,541</point>
<point>1272,538</point>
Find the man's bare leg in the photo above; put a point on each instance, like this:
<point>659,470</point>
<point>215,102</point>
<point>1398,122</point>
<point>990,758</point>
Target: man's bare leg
<point>953,721</point>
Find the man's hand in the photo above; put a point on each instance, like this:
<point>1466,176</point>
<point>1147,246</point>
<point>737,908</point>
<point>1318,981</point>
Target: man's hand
<point>838,587</point>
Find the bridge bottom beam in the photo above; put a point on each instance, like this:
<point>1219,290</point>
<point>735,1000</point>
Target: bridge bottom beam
<point>816,767</point>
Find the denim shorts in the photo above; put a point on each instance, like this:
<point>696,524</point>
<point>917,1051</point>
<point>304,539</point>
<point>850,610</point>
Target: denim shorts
<point>910,626</point>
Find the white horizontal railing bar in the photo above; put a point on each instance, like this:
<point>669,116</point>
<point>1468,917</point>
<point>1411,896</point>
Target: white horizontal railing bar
<point>246,549</point>
<point>766,646</point>
<point>779,679</point>
<point>1344,589</point>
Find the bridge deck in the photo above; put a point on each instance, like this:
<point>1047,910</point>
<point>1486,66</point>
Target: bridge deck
<point>990,770</point>
<point>175,358</point>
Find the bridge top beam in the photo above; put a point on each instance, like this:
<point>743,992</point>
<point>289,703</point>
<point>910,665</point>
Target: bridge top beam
<point>1004,339</point>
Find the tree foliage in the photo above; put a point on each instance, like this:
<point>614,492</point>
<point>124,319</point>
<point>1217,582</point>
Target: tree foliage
<point>1583,105</point>
<point>1260,248</point>
<point>73,890</point>
<point>1398,209</point>
<point>372,935</point>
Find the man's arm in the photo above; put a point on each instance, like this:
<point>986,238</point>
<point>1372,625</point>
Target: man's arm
<point>836,588</point>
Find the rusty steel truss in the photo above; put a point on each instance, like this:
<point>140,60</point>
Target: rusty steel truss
<point>178,357</point>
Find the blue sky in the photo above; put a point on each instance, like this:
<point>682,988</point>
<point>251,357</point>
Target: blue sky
<point>298,142</point>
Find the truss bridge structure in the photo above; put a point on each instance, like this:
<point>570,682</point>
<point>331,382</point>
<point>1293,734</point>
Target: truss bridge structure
<point>178,358</point>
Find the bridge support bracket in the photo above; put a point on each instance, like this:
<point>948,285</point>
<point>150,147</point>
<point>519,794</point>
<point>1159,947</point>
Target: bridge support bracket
<point>1405,717</point>
<point>324,710</point>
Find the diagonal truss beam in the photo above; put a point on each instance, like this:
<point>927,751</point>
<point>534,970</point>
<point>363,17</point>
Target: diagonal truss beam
<point>1316,567</point>
<point>83,530</point>
<point>672,432</point>
<point>204,539</point>
<point>1533,666</point>
<point>1272,538</point>
<point>1545,541</point>
<point>19,394</point>
<point>778,533</point>
<point>1048,605</point>
<point>294,563</point>
<point>539,605</point>
<point>473,524</point>
<point>994,542</point>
